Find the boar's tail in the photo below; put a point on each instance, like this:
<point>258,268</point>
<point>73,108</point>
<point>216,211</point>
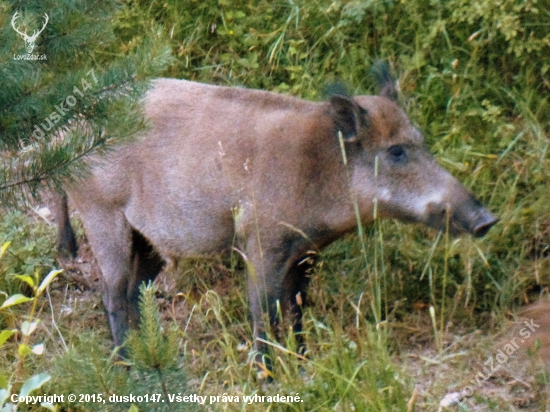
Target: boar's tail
<point>66,239</point>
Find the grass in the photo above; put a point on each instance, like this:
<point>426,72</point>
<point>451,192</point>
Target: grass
<point>399,316</point>
<point>353,363</point>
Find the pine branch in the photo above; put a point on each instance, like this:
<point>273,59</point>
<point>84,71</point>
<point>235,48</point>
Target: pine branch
<point>35,96</point>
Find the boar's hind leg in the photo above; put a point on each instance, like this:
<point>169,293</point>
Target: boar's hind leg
<point>109,234</point>
<point>146,265</point>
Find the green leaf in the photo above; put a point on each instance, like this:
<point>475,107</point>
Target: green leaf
<point>133,408</point>
<point>5,335</point>
<point>27,279</point>
<point>33,383</point>
<point>4,395</point>
<point>15,300</point>
<point>2,250</point>
<point>3,384</point>
<point>28,327</point>
<point>49,406</point>
<point>9,407</point>
<point>24,350</point>
<point>47,280</point>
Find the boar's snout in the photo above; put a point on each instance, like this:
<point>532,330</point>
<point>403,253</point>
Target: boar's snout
<point>468,215</point>
<point>486,220</point>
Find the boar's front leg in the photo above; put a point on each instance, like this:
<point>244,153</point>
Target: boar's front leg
<point>263,306</point>
<point>295,293</point>
<point>277,284</point>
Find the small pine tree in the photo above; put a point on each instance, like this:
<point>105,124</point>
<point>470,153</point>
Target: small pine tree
<point>88,368</point>
<point>149,346</point>
<point>155,367</point>
<point>152,349</point>
<point>75,94</point>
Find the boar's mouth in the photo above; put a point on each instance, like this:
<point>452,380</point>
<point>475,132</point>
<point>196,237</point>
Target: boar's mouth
<point>484,224</point>
<point>475,220</point>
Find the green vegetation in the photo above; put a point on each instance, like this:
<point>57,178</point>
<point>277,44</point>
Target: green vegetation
<point>153,358</point>
<point>475,77</point>
<point>61,97</point>
<point>30,250</point>
<point>27,384</point>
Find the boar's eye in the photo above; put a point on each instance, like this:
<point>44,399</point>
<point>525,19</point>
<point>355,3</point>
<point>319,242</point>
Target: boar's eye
<point>398,153</point>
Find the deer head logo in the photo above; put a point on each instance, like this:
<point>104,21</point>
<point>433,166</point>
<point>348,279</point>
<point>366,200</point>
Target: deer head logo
<point>29,40</point>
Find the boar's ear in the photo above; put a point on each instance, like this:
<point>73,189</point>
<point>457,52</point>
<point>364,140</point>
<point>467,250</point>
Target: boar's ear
<point>348,116</point>
<point>381,72</point>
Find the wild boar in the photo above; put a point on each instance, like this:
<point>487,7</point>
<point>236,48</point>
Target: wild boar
<point>271,175</point>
